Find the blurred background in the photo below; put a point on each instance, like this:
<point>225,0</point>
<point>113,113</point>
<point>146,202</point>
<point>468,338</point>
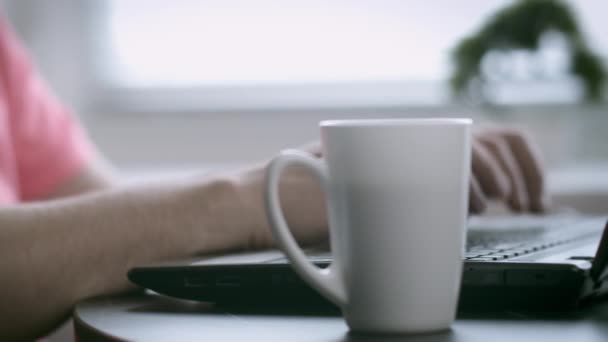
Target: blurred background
<point>179,86</point>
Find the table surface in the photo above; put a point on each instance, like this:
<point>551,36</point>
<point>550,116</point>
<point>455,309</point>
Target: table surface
<point>152,318</point>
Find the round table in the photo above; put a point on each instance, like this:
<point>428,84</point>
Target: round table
<point>157,318</point>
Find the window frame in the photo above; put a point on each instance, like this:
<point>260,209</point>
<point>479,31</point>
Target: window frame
<point>107,96</point>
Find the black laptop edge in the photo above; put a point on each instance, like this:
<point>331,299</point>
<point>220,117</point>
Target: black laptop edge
<point>485,285</point>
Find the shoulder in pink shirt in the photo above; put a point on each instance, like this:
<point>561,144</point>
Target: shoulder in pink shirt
<point>41,144</point>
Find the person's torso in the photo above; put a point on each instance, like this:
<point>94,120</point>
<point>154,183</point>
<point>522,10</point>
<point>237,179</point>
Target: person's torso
<point>9,184</point>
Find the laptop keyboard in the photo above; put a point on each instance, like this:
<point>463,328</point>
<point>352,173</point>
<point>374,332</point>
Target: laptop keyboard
<point>493,239</point>
<point>501,238</point>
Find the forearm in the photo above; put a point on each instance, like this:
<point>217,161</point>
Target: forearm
<point>53,254</point>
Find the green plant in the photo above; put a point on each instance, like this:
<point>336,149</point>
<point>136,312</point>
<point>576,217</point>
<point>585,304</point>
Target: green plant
<point>520,26</point>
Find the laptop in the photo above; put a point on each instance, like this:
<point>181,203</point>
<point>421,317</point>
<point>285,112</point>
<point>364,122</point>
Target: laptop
<point>549,262</point>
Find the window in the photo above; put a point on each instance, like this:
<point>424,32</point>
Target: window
<point>227,53</point>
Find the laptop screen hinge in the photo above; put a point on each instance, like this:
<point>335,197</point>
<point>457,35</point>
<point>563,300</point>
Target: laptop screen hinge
<point>599,267</point>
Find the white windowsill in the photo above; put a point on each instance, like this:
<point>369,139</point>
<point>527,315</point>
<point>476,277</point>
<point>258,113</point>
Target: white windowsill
<point>320,96</point>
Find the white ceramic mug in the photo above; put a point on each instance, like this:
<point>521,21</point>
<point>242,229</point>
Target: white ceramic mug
<point>397,204</point>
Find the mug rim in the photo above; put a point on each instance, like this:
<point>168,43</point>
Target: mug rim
<point>395,122</point>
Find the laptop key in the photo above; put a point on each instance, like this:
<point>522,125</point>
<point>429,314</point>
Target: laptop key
<point>485,258</point>
<point>500,255</point>
<point>522,250</point>
<point>518,252</point>
<point>472,255</point>
<point>481,251</point>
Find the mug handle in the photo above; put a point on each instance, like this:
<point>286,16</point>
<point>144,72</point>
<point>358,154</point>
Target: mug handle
<point>325,280</point>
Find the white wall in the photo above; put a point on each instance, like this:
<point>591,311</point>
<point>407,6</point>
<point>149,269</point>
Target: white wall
<point>59,37</point>
<point>567,135</point>
<point>56,34</point>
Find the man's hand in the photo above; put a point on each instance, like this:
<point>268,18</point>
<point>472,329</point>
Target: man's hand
<point>507,167</point>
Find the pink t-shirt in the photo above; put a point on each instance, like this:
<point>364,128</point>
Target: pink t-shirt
<point>41,145</point>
